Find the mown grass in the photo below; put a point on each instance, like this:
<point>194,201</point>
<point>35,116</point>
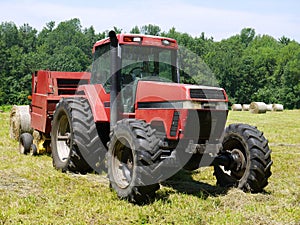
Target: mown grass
<point>33,192</point>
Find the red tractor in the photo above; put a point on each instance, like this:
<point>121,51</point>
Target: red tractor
<point>133,116</point>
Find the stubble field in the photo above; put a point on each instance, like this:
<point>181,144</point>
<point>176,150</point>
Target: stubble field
<point>33,192</point>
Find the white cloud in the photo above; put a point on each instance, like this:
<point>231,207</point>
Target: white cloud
<point>185,17</point>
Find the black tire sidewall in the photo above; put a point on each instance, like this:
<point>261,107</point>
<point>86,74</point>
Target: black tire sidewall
<point>25,142</point>
<point>33,150</point>
<point>254,146</point>
<point>143,145</point>
<point>238,137</point>
<point>122,132</point>
<point>61,110</point>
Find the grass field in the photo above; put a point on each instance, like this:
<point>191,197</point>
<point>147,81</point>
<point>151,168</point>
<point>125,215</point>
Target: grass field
<point>33,192</point>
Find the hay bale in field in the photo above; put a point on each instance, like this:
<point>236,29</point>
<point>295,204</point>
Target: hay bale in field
<point>246,107</point>
<point>236,107</point>
<point>269,107</point>
<point>258,107</point>
<point>277,107</point>
<point>20,121</point>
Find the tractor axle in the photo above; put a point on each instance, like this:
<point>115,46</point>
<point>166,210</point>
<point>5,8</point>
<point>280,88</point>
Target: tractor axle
<point>234,160</point>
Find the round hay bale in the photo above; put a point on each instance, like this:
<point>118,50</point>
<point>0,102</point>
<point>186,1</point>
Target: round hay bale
<point>246,107</point>
<point>269,107</point>
<point>258,107</point>
<point>20,121</point>
<point>236,107</point>
<point>15,121</point>
<point>277,107</point>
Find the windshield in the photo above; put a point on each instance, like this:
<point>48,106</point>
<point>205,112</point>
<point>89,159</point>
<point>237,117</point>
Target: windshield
<point>136,63</point>
<point>148,63</point>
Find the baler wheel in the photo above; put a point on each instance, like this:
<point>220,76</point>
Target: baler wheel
<point>25,143</point>
<point>33,150</point>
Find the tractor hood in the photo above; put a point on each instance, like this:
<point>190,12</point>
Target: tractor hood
<point>153,91</point>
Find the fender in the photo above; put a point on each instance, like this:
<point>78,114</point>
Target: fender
<point>98,100</point>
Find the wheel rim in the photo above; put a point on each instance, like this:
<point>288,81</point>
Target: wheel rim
<point>63,139</point>
<point>122,164</point>
<point>21,147</point>
<point>237,148</point>
<point>242,164</point>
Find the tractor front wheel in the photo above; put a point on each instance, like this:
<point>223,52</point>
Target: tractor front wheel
<point>133,155</point>
<point>252,164</point>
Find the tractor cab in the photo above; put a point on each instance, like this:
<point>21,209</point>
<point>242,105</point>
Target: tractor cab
<point>139,58</point>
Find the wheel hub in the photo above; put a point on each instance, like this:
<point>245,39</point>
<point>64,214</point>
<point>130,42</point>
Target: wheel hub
<point>63,139</point>
<point>239,163</point>
<point>239,159</point>
<point>231,160</point>
<point>122,165</point>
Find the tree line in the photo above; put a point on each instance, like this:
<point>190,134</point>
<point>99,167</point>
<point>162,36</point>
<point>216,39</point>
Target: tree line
<point>248,66</point>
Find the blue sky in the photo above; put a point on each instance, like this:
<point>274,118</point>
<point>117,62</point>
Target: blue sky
<point>219,19</point>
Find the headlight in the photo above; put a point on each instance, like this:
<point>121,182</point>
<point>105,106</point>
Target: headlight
<point>191,105</point>
<point>204,105</point>
<point>222,106</point>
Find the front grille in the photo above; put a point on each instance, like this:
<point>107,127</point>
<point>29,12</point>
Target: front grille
<point>204,125</point>
<point>207,94</point>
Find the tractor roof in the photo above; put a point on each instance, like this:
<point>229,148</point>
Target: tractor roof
<point>140,39</point>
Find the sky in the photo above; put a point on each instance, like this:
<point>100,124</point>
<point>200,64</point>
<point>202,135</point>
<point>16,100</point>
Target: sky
<point>219,19</point>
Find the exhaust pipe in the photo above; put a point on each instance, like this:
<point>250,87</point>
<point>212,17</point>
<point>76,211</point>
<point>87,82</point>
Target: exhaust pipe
<point>114,78</point>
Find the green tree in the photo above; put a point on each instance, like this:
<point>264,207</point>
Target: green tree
<point>284,40</point>
<point>150,30</point>
<point>135,30</point>
<point>27,38</point>
<point>248,67</point>
<point>287,75</point>
<point>118,30</point>
<point>225,60</point>
<point>263,51</point>
<point>247,35</point>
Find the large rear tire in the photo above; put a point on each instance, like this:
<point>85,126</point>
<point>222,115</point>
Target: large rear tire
<point>75,143</point>
<point>252,147</point>
<point>133,155</point>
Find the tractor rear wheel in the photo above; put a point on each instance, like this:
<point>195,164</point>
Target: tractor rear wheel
<point>75,143</point>
<point>132,157</point>
<point>251,148</point>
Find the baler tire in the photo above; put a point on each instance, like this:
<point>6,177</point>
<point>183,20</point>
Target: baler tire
<point>251,142</point>
<point>86,151</point>
<point>33,150</point>
<point>25,143</point>
<point>133,156</point>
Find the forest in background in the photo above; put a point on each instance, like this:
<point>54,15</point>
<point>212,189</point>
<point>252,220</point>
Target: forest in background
<point>248,66</point>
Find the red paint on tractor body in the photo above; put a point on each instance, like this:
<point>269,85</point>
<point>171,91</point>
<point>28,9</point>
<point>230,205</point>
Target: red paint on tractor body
<point>161,104</point>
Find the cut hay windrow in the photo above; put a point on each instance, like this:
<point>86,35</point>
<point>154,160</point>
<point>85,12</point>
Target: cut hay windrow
<point>258,107</point>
